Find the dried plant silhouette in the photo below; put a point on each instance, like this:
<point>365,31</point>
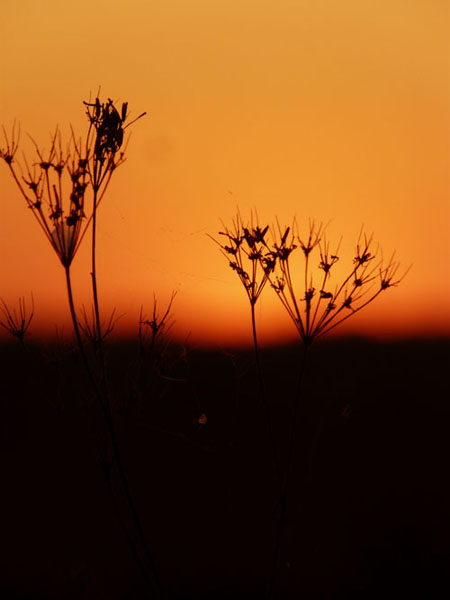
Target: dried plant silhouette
<point>16,321</point>
<point>323,306</point>
<point>316,284</point>
<point>152,350</point>
<point>244,249</point>
<point>262,255</point>
<point>317,308</point>
<point>103,153</point>
<point>88,326</point>
<point>153,339</point>
<point>63,188</point>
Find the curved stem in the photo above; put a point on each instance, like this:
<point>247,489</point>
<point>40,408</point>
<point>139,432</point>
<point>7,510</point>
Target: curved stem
<point>76,329</point>
<point>114,444</point>
<point>98,330</point>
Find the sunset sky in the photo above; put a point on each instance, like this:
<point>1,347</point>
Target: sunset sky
<point>324,109</point>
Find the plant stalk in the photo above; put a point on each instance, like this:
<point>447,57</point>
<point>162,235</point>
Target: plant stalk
<point>285,488</point>
<point>264,399</point>
<point>111,430</point>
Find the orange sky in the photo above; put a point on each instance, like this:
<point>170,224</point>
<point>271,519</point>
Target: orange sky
<point>337,111</point>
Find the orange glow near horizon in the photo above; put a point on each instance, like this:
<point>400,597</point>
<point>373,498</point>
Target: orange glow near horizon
<point>332,111</point>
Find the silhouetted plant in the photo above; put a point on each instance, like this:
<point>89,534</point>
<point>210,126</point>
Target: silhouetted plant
<point>16,321</point>
<point>152,359</point>
<point>323,303</point>
<point>55,188</point>
<point>89,329</point>
<point>245,249</point>
<point>64,186</point>
<point>104,141</point>
<point>320,307</point>
<point>152,333</point>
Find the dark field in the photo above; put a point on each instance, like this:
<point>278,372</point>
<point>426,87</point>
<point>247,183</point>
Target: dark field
<point>369,518</point>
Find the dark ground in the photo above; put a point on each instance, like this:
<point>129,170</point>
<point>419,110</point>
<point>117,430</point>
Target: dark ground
<point>372,520</point>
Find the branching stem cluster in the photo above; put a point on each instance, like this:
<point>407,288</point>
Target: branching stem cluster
<point>264,255</point>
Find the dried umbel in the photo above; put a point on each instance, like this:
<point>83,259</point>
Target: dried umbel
<point>317,298</point>
<point>260,255</point>
<point>245,249</point>
<point>104,140</point>
<point>54,187</point>
<point>325,301</point>
<point>55,183</point>
<point>108,126</point>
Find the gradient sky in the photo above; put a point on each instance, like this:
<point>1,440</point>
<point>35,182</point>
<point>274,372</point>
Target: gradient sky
<point>325,109</point>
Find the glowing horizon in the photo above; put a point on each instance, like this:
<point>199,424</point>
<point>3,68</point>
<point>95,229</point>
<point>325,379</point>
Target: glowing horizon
<point>334,113</point>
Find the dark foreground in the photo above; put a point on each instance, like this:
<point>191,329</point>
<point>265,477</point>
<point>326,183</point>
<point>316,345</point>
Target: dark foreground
<point>371,520</point>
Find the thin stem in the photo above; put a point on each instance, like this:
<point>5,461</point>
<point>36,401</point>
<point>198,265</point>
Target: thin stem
<point>263,397</point>
<point>98,329</point>
<point>37,212</point>
<point>76,329</point>
<point>130,541</point>
<point>322,289</point>
<point>129,498</point>
<point>327,329</point>
<point>111,430</point>
<point>299,320</point>
<point>285,489</point>
<point>307,299</point>
<point>98,335</point>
